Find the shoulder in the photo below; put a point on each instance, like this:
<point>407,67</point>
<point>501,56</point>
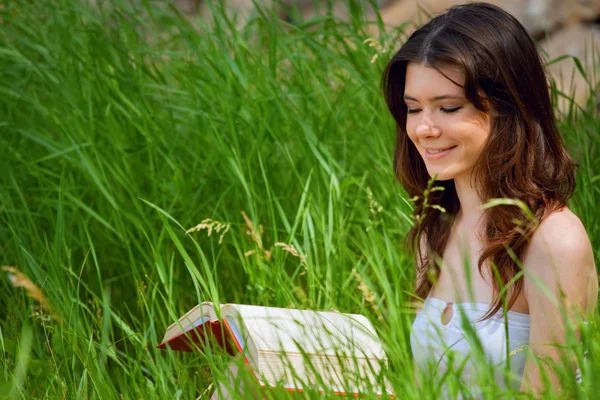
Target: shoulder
<point>563,229</point>
<point>561,236</point>
<point>561,258</point>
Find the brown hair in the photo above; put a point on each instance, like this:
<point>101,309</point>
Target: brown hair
<point>524,157</point>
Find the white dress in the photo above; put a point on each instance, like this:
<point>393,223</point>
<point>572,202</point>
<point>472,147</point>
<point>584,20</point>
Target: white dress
<point>439,348</point>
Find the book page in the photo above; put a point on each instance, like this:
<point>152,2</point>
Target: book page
<point>232,384</point>
<point>198,315</point>
<point>341,375</point>
<point>312,332</point>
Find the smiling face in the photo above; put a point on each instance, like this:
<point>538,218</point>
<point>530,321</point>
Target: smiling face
<point>447,130</point>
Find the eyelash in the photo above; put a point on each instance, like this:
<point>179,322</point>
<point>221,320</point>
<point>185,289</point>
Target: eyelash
<point>445,110</point>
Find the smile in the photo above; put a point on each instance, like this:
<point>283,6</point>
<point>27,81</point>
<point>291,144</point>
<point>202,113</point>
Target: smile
<point>432,154</point>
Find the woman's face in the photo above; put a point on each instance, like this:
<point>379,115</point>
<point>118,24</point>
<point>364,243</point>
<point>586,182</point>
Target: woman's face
<point>447,130</point>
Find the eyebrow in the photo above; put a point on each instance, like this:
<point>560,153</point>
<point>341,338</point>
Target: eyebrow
<point>436,98</point>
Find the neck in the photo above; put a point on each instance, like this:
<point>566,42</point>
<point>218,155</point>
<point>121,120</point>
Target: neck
<point>471,208</point>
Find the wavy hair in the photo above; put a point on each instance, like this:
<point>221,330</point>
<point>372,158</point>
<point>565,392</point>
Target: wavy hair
<point>523,158</point>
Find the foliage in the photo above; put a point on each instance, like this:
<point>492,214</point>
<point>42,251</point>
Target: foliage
<point>131,133</point>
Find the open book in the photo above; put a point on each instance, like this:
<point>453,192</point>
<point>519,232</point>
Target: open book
<point>289,348</point>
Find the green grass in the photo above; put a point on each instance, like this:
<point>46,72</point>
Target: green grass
<point>126,125</point>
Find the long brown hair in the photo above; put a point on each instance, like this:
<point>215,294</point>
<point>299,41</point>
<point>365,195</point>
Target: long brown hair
<point>524,157</point>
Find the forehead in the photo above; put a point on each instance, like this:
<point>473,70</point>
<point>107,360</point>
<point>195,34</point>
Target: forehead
<point>423,81</point>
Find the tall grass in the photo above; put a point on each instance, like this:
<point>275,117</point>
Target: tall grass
<point>125,125</point>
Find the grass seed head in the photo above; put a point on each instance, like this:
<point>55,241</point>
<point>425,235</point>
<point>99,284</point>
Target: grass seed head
<point>379,49</point>
<point>19,279</point>
<point>293,251</point>
<point>252,232</point>
<point>368,295</point>
<point>256,236</point>
<point>209,225</point>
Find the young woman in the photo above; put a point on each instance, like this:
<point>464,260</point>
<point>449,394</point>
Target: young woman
<point>471,101</point>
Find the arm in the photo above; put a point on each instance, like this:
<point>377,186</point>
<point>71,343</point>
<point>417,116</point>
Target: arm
<point>559,272</point>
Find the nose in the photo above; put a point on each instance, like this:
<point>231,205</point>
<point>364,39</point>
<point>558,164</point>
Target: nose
<point>426,126</point>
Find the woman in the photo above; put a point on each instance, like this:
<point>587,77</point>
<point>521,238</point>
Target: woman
<point>471,101</point>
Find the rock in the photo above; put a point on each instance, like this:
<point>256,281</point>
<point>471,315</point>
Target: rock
<point>340,8</point>
<point>187,7</point>
<point>581,41</point>
<point>238,9</point>
<point>542,16</point>
<point>537,16</point>
<point>242,9</point>
<point>417,13</point>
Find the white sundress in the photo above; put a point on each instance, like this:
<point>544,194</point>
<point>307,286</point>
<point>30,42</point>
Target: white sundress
<point>438,347</point>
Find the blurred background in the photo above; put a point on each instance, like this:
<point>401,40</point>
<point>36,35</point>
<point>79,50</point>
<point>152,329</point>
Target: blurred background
<point>563,27</point>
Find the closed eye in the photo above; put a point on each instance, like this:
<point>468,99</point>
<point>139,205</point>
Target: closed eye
<point>445,110</point>
<point>451,110</point>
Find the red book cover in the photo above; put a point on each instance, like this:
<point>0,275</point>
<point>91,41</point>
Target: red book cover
<point>199,337</point>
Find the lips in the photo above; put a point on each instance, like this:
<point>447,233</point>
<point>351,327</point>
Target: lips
<point>432,151</point>
<point>434,154</point>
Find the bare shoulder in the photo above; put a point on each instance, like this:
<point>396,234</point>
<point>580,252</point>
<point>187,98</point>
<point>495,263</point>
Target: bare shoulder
<point>562,235</point>
<point>560,255</point>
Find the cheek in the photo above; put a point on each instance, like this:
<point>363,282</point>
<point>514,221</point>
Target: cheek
<point>410,130</point>
<point>474,136</point>
<point>472,150</point>
<point>480,131</point>
<point>479,139</point>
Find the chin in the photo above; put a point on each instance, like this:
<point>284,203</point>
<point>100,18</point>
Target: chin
<point>441,176</point>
